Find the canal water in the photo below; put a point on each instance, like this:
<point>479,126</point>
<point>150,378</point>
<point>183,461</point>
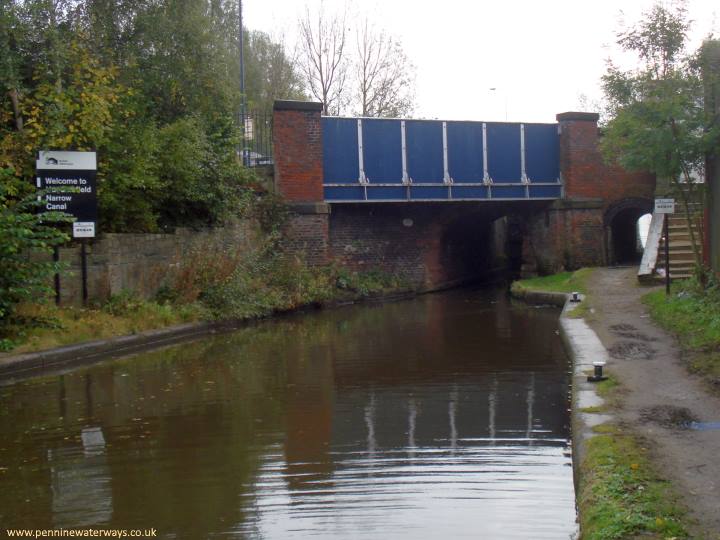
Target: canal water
<point>444,416</point>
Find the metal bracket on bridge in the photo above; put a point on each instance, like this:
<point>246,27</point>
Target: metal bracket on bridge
<point>524,179</point>
<point>487,180</point>
<point>406,180</point>
<point>447,179</point>
<point>361,165</point>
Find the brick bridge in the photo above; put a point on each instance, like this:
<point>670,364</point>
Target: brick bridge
<point>445,202</point>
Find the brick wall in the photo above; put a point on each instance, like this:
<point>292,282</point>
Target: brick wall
<point>572,233</point>
<point>565,236</point>
<point>140,262</point>
<point>585,174</point>
<point>429,245</point>
<point>306,232</point>
<point>297,142</point>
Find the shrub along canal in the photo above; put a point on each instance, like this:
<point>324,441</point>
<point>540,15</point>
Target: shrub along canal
<point>443,416</point>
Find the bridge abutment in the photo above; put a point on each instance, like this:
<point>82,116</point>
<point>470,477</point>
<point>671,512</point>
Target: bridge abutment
<point>430,246</point>
<point>298,177</point>
<point>576,231</point>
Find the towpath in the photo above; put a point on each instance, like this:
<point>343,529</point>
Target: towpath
<point>659,396</point>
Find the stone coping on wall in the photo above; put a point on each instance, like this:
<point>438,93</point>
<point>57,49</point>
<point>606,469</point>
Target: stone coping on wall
<point>575,116</point>
<point>308,208</point>
<point>292,105</point>
<point>31,364</point>
<point>578,204</point>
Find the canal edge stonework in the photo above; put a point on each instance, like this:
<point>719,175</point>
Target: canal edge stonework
<point>583,347</point>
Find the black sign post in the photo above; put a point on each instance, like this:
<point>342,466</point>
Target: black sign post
<point>667,207</point>
<point>70,181</point>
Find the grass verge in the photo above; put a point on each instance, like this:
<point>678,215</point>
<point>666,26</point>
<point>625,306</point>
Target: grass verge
<point>607,390</point>
<point>207,287</point>
<point>621,495</point>
<point>564,282</point>
<point>693,316</point>
<point>43,326</point>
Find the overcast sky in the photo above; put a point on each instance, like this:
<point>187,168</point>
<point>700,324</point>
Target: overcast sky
<point>541,56</point>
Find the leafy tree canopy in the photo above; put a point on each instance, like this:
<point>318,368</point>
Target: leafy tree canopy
<point>658,121</point>
<point>657,117</point>
<point>152,85</point>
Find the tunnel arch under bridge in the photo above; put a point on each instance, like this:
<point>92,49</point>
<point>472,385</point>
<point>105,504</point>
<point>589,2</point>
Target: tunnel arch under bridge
<point>621,229</point>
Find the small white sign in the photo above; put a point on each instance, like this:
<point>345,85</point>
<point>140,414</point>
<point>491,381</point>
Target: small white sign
<point>56,160</point>
<point>664,206</point>
<point>84,229</point>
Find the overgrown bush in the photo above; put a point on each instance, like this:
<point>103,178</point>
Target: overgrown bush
<point>256,283</point>
<point>264,284</point>
<point>24,234</point>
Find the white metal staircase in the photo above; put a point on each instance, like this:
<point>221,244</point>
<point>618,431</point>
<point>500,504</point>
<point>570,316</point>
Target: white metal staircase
<point>682,259</point>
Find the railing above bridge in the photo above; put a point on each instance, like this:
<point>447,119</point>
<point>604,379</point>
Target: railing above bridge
<point>393,160</point>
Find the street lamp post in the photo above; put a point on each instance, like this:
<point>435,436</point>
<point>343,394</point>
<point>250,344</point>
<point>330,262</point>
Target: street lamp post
<point>494,89</point>
<point>241,39</point>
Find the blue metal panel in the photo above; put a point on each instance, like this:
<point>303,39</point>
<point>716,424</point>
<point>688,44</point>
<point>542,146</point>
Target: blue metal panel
<point>508,192</point>
<point>382,157</point>
<point>545,192</point>
<point>503,147</point>
<point>383,193</point>
<point>465,151</point>
<point>542,152</point>
<point>424,143</point>
<point>351,192</point>
<point>429,192</point>
<point>340,150</point>
<point>382,151</point>
<point>469,192</point>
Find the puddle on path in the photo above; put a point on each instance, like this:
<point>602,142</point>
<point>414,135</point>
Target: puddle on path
<point>669,416</point>
<point>628,331</point>
<point>629,350</point>
<point>704,426</point>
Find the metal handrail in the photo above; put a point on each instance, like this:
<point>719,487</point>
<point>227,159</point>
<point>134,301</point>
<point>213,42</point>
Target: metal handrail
<point>652,246</point>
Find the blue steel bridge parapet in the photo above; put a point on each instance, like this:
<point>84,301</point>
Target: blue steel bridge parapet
<point>396,160</point>
<point>551,174</point>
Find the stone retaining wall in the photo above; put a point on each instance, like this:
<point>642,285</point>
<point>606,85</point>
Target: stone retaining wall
<point>141,262</point>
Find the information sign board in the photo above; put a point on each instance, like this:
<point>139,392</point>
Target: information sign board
<point>77,172</point>
<point>664,206</point>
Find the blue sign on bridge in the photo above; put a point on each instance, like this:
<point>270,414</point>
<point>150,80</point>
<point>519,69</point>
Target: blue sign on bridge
<point>384,160</point>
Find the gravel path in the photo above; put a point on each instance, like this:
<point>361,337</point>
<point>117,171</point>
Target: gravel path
<point>660,398</point>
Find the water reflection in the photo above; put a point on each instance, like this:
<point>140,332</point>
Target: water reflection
<point>444,416</point>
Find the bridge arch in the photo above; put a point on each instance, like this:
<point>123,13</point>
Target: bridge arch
<point>621,229</point>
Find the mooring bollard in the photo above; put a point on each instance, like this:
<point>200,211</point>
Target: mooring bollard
<point>597,376</point>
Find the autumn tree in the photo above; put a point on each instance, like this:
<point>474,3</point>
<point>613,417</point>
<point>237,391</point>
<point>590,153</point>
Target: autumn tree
<point>323,58</point>
<point>151,85</point>
<point>657,118</point>
<point>270,72</point>
<point>384,77</point>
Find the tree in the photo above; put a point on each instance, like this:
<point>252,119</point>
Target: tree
<point>24,232</point>
<point>657,113</point>
<point>139,81</point>
<point>384,76</point>
<point>323,59</point>
<point>270,73</point>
